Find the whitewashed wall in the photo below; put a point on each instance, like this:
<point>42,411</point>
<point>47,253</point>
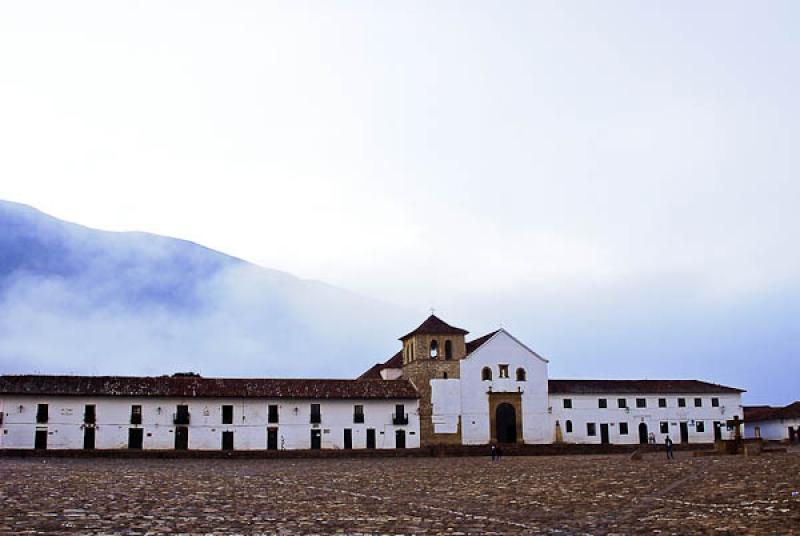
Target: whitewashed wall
<point>469,398</point>
<point>65,423</point>
<point>774,430</point>
<point>585,410</point>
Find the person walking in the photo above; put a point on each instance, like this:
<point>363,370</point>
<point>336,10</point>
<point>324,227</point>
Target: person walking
<point>494,452</point>
<point>668,444</point>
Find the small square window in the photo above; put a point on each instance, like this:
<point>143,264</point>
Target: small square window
<point>681,402</point>
<point>662,402</point>
<point>622,403</point>
<point>700,426</point>
<point>698,402</point>
<point>591,429</point>
<point>664,427</point>
<point>623,428</point>
<point>503,371</point>
<point>641,402</point>
<point>715,402</point>
<point>567,403</point>
<point>602,403</point>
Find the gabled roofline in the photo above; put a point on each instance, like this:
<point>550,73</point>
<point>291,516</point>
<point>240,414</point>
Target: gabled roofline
<point>516,340</point>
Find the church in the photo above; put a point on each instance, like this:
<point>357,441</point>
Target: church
<point>440,388</point>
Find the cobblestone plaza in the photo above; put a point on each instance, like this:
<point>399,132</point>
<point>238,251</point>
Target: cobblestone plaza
<point>468,495</point>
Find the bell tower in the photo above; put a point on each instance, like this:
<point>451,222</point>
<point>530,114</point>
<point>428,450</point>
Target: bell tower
<point>433,351</point>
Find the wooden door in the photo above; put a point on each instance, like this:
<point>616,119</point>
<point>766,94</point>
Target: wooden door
<point>227,440</point>
<point>272,439</point>
<point>684,432</point>
<point>316,439</point>
<point>370,438</point>
<point>88,438</point>
<point>400,439</point>
<point>604,439</point>
<point>40,441</point>
<point>181,438</point>
<point>135,438</point>
<point>348,438</point>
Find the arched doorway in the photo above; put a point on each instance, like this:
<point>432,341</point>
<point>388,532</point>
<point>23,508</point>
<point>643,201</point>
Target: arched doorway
<point>506,423</point>
<point>643,433</point>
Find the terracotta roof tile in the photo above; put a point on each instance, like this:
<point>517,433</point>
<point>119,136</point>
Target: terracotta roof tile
<point>770,413</point>
<point>579,387</point>
<point>434,325</point>
<point>195,387</point>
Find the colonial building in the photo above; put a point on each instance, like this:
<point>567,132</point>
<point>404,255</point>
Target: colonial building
<point>439,389</point>
<point>771,423</point>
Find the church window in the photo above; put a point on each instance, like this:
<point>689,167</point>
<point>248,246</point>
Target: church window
<point>520,374</point>
<point>681,402</point>
<point>448,349</point>
<point>641,402</point>
<point>623,428</point>
<point>700,426</point>
<point>444,375</point>
<point>591,429</point>
<point>503,371</point>
<point>568,427</point>
<point>602,403</point>
<point>715,402</point>
<point>486,374</point>
<point>664,427</point>
<point>567,403</point>
<point>698,402</point>
<point>434,349</point>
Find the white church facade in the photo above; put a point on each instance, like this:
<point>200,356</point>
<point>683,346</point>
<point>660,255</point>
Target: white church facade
<point>439,389</point>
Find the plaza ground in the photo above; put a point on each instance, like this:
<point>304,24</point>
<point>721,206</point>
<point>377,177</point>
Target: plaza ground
<point>600,494</point>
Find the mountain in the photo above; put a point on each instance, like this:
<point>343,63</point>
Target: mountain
<point>80,300</point>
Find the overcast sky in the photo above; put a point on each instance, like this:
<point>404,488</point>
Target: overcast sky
<point>489,159</point>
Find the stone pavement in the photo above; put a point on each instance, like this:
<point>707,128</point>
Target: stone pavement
<point>608,494</point>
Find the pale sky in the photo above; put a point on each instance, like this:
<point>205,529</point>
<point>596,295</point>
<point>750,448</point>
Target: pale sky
<point>447,154</point>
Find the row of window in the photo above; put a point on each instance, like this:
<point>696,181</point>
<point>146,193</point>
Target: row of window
<point>622,403</point>
<point>136,439</point>
<point>182,415</point>
<point>486,373</point>
<point>591,428</point>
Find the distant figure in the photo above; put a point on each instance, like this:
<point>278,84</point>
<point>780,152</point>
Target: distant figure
<point>652,438</point>
<point>499,452</point>
<point>668,444</point>
<point>494,452</point>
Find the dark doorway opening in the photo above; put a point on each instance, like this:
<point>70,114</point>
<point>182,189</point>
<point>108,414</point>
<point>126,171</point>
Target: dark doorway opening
<point>348,438</point>
<point>370,438</point>
<point>792,433</point>
<point>40,441</point>
<point>684,432</point>
<point>717,431</point>
<point>643,439</point>
<point>506,423</point>
<point>604,439</point>
<point>272,439</point>
<point>181,438</point>
<point>400,439</point>
<point>135,438</point>
<point>227,440</point>
<point>88,438</point>
<point>316,439</point>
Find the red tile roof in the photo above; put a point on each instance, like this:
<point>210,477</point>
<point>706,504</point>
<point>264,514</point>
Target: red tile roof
<point>579,387</point>
<point>477,343</point>
<point>770,413</point>
<point>196,387</point>
<point>434,325</point>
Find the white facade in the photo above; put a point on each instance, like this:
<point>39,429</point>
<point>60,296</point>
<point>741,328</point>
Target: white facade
<point>582,420</point>
<point>65,425</point>
<point>773,429</point>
